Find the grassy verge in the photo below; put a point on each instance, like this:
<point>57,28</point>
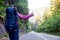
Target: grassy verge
<point>57,34</point>
<point>5,35</point>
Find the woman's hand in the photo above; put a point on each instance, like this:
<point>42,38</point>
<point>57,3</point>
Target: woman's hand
<point>32,14</point>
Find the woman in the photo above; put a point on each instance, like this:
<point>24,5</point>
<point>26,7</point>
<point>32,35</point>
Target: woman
<point>11,22</point>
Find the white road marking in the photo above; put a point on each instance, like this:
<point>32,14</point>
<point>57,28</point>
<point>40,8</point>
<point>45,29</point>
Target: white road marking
<point>39,35</point>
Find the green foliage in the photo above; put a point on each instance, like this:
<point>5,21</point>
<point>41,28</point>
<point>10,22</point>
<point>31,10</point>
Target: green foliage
<point>2,8</point>
<point>22,7</point>
<point>51,24</point>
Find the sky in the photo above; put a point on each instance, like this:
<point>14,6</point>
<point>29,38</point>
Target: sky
<point>37,7</point>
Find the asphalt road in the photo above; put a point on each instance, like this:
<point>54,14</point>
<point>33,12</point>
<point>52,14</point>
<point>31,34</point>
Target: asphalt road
<point>38,36</point>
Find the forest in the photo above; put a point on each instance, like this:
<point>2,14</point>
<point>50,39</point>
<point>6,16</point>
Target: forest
<point>51,19</point>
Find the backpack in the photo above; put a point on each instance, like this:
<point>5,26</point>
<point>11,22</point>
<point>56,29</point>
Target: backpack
<point>11,19</point>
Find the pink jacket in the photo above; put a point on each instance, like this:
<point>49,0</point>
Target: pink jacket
<point>25,17</point>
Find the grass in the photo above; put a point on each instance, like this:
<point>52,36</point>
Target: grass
<point>57,34</point>
<point>5,35</point>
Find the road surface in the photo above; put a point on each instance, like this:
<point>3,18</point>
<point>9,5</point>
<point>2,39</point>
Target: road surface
<point>38,36</point>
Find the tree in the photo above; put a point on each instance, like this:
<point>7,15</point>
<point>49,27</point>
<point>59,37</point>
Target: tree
<point>52,24</point>
<point>2,9</point>
<point>23,8</point>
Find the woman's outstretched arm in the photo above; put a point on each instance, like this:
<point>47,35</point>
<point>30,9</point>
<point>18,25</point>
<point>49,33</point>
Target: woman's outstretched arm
<point>25,17</point>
